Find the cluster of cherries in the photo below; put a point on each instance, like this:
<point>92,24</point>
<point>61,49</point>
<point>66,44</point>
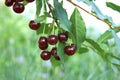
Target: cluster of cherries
<point>52,40</point>
<point>18,5</point>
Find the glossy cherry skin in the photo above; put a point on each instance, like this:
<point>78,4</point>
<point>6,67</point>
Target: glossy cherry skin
<point>43,47</point>
<point>33,25</point>
<point>63,37</point>
<point>70,49</point>
<point>43,43</point>
<point>18,7</point>
<point>45,55</point>
<point>54,53</point>
<point>9,2</point>
<point>52,39</point>
<point>29,0</point>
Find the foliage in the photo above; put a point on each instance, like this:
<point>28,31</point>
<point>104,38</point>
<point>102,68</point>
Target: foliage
<point>79,66</point>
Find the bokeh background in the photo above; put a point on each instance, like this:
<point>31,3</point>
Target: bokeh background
<point>19,53</point>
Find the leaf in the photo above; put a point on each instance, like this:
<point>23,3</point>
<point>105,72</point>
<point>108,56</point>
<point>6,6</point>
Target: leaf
<point>55,62</point>
<point>117,40</point>
<point>47,28</point>
<point>38,7</point>
<point>106,35</point>
<point>117,66</point>
<point>82,50</point>
<point>62,16</point>
<point>78,28</point>
<point>113,6</point>
<point>95,45</point>
<point>60,52</point>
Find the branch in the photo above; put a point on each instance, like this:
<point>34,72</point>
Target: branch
<point>109,24</point>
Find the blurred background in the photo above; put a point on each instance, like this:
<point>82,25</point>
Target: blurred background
<point>19,53</point>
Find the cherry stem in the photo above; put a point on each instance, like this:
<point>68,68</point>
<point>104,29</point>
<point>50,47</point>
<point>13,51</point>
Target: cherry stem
<point>109,24</point>
<point>53,15</point>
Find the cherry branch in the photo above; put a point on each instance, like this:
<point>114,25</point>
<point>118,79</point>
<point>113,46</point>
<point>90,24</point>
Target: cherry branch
<point>108,23</point>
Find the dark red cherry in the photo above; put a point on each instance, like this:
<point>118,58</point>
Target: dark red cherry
<point>52,39</point>
<point>70,49</point>
<point>63,37</point>
<point>29,0</point>
<point>54,53</point>
<point>45,55</point>
<point>42,40</point>
<point>33,25</point>
<point>43,43</point>
<point>43,47</point>
<point>9,3</point>
<point>18,7</point>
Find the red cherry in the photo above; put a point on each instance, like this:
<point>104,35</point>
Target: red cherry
<point>45,55</point>
<point>33,25</point>
<point>70,49</point>
<point>29,0</point>
<point>63,37</point>
<point>54,53</point>
<point>18,7</point>
<point>43,47</point>
<point>52,39</point>
<point>9,3</point>
<point>43,43</point>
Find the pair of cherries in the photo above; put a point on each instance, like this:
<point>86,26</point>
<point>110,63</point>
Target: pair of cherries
<point>18,6</point>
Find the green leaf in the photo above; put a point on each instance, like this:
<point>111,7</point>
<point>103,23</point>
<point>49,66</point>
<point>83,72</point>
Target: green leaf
<point>117,40</point>
<point>46,28</point>
<point>62,16</point>
<point>38,7</point>
<point>60,52</point>
<point>113,6</point>
<point>55,62</point>
<point>95,45</point>
<point>117,66</point>
<point>106,35</point>
<point>78,28</point>
<point>82,50</point>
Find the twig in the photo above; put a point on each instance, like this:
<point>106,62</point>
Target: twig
<point>109,24</point>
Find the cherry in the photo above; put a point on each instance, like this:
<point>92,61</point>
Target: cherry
<point>52,39</point>
<point>70,49</point>
<point>45,55</point>
<point>43,43</point>
<point>33,25</point>
<point>9,3</point>
<point>63,37</point>
<point>54,53</point>
<point>43,47</point>
<point>18,7</point>
<point>29,0</point>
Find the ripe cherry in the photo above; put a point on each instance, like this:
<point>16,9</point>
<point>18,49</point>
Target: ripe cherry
<point>29,0</point>
<point>63,37</point>
<point>52,39</point>
<point>9,2</point>
<point>43,43</point>
<point>45,55</point>
<point>54,53</point>
<point>70,49</point>
<point>18,7</point>
<point>33,25</point>
<point>43,47</point>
